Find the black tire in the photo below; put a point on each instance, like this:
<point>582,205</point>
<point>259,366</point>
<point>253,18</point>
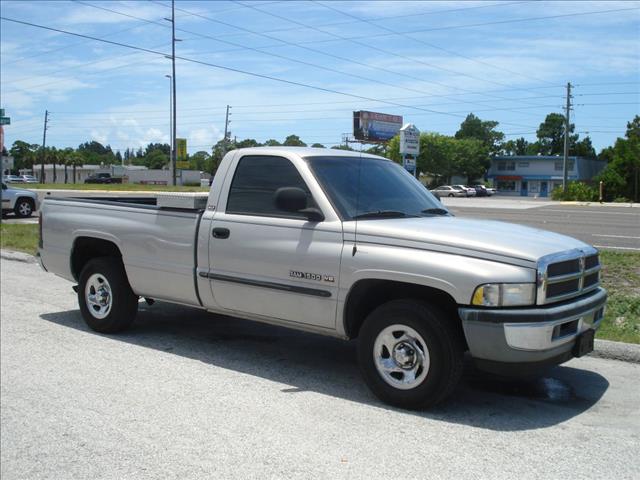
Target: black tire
<point>445,350</point>
<point>450,195</point>
<point>123,302</point>
<point>24,207</point>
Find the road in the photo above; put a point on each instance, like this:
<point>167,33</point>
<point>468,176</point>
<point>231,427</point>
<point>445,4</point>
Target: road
<point>602,226</point>
<point>191,395</point>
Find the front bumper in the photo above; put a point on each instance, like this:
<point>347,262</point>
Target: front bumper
<point>525,338</point>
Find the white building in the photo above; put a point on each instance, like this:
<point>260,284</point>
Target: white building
<point>129,174</point>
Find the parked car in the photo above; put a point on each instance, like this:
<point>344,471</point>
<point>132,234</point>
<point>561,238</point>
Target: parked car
<point>471,192</point>
<point>283,238</point>
<point>29,179</point>
<point>448,191</point>
<point>19,201</point>
<point>12,179</point>
<point>103,178</point>
<point>481,191</point>
<point>491,191</point>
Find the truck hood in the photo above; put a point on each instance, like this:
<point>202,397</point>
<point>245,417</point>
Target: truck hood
<point>497,238</point>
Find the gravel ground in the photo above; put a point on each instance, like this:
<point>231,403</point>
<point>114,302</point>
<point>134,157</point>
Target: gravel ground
<point>190,395</point>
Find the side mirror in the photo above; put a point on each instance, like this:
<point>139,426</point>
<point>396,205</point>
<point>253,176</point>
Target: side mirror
<point>294,200</point>
<point>291,199</point>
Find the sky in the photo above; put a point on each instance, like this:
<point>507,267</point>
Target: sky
<point>303,67</point>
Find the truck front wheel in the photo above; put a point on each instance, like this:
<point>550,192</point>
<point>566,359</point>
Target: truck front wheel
<point>410,354</point>
<point>107,303</point>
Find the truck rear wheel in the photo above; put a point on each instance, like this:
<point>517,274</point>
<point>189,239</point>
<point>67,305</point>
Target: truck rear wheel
<point>107,303</point>
<point>410,354</point>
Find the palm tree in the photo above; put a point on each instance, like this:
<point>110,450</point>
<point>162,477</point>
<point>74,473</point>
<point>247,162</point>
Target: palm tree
<point>67,159</point>
<point>76,160</point>
<point>56,158</point>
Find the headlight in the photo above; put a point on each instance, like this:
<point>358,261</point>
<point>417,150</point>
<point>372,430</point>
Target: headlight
<point>504,295</point>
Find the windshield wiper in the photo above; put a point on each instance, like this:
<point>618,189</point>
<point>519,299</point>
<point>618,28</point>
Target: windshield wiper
<point>383,214</point>
<point>435,211</point>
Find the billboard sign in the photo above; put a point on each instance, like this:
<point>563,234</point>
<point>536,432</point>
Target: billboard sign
<point>409,140</point>
<point>181,148</point>
<point>375,127</point>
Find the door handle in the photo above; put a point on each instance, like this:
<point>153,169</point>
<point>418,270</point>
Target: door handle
<point>221,233</point>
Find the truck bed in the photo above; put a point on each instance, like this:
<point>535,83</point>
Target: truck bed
<point>157,243</point>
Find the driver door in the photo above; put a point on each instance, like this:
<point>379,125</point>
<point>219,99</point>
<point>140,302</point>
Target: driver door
<point>270,263</point>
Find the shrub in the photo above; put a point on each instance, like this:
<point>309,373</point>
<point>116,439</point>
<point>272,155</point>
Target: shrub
<point>576,191</point>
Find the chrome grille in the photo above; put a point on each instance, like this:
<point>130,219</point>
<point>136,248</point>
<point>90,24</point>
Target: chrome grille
<point>568,274</point>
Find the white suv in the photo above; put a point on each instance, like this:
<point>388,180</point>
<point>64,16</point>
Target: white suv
<point>19,201</point>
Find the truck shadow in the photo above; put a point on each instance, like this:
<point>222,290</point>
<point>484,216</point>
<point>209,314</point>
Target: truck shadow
<point>328,366</point>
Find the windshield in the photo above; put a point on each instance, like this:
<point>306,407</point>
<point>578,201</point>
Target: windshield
<point>386,189</point>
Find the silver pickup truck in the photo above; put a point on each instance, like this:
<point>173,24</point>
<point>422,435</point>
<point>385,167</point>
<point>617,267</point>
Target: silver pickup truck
<point>342,244</point>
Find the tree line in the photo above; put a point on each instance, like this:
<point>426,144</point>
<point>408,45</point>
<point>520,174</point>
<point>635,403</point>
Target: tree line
<point>467,153</point>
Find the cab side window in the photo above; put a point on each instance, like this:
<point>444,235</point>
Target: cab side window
<point>255,182</point>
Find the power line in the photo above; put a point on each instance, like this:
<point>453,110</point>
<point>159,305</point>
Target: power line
<point>422,42</point>
<point>284,57</point>
<point>262,51</point>
<point>66,47</point>
<point>349,60</point>
<point>389,17</point>
<point>236,70</point>
<point>88,37</point>
<point>290,82</point>
<point>79,66</point>
<point>497,22</point>
<point>366,45</point>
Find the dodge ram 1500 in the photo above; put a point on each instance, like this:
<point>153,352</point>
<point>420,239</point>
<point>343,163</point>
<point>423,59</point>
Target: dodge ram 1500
<point>343,244</point>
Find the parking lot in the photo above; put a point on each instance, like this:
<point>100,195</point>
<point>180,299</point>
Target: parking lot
<point>188,394</point>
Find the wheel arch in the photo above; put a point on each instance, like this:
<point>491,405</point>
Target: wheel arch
<point>368,294</point>
<point>86,248</point>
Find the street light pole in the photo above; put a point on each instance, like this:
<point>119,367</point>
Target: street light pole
<point>44,145</point>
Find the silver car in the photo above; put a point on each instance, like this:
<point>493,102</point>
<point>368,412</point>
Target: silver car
<point>19,201</point>
<point>29,179</point>
<point>448,191</point>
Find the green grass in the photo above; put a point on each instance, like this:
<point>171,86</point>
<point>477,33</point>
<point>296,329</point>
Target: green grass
<point>620,276</point>
<point>21,237</point>
<point>114,187</point>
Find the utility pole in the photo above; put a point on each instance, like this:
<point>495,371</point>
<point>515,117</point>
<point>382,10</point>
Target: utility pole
<point>173,83</point>
<point>44,144</point>
<point>173,88</point>
<point>566,139</point>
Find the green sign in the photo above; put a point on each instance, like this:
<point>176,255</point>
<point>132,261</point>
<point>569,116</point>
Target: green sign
<point>5,121</point>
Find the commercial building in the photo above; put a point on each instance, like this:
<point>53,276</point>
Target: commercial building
<point>128,173</point>
<point>539,175</point>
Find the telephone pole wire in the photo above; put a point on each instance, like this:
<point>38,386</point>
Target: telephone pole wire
<point>566,139</point>
<point>44,144</point>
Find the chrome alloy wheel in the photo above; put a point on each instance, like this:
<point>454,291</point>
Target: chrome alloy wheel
<point>25,209</point>
<point>401,356</point>
<point>98,295</point>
